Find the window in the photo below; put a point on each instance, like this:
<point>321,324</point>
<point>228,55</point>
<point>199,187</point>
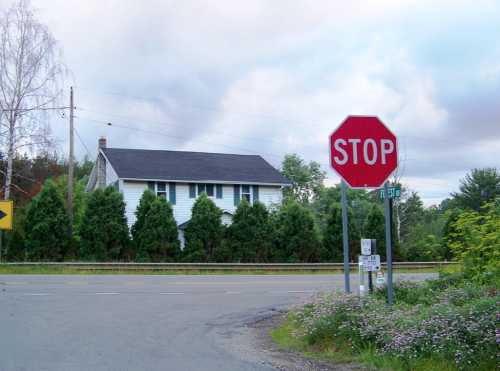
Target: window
<point>201,188</point>
<point>161,189</point>
<point>218,190</point>
<point>211,190</point>
<point>245,193</point>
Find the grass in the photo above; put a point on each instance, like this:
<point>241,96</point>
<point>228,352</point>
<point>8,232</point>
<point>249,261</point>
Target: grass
<point>283,336</point>
<point>50,269</point>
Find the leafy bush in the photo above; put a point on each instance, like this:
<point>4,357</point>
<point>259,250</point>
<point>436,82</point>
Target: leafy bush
<point>476,241</point>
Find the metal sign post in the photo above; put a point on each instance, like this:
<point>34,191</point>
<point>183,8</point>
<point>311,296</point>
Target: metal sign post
<point>388,242</point>
<point>6,217</point>
<point>345,237</point>
<point>364,153</point>
<point>373,250</point>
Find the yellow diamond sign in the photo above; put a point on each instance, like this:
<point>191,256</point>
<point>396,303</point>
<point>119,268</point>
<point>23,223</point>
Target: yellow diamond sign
<point>6,214</point>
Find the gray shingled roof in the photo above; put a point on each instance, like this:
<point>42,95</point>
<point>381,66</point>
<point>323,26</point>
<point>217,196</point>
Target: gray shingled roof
<point>192,166</point>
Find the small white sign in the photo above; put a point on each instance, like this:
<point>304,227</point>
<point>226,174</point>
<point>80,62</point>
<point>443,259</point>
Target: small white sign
<point>366,246</point>
<point>371,263</point>
<point>380,279</point>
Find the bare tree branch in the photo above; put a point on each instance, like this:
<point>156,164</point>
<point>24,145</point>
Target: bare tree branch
<point>30,78</point>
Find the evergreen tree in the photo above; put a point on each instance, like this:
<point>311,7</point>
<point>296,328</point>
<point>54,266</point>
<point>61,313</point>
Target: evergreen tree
<point>104,231</point>
<point>332,238</point>
<point>478,187</point>
<point>79,204</point>
<point>297,238</point>
<point>204,232</point>
<point>157,240</point>
<point>374,228</point>
<point>143,208</point>
<point>14,246</point>
<point>250,233</point>
<point>47,225</point>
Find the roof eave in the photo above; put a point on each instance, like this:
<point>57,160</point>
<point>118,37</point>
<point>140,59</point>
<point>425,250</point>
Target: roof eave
<point>276,184</point>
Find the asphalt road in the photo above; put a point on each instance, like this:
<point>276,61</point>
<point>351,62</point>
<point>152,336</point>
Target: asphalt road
<point>133,322</point>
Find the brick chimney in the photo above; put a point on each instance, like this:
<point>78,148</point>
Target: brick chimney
<point>101,164</point>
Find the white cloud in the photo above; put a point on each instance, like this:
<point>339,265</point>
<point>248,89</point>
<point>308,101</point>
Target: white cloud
<point>277,77</point>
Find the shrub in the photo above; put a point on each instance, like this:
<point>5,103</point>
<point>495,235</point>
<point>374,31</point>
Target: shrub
<point>476,241</point>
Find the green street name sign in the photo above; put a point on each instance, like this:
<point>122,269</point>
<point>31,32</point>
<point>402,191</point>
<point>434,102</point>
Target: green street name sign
<point>394,192</point>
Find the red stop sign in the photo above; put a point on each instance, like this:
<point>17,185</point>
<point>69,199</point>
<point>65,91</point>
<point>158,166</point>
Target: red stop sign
<point>363,151</point>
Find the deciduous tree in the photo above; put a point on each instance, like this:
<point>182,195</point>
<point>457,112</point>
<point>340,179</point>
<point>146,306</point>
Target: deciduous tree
<point>307,179</point>
<point>30,75</point>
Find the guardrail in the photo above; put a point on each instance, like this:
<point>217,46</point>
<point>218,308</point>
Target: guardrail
<point>309,267</point>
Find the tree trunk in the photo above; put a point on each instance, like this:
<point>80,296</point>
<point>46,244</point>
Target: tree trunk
<point>10,159</point>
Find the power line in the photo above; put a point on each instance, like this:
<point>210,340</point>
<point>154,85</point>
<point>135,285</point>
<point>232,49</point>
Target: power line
<point>33,109</point>
<point>129,118</point>
<point>82,142</point>
<point>178,137</point>
<point>249,114</point>
<point>197,107</point>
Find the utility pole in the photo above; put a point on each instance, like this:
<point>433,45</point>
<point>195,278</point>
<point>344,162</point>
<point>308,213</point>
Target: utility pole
<point>70,164</point>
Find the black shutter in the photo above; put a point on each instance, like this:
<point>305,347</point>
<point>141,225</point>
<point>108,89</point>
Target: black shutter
<point>171,193</point>
<point>192,190</point>
<point>237,197</point>
<point>151,186</point>
<point>255,193</point>
<point>218,190</point>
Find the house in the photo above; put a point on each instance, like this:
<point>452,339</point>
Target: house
<point>181,177</point>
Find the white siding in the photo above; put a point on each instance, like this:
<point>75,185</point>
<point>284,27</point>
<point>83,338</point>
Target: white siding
<point>132,192</point>
<point>270,195</point>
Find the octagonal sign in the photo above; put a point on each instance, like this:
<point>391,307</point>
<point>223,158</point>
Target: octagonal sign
<point>363,151</point>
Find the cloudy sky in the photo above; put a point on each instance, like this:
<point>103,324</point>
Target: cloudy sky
<point>276,77</point>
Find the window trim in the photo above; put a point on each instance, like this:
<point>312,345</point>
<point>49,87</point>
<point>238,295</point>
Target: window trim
<point>245,194</point>
<point>153,186</point>
<point>200,188</point>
